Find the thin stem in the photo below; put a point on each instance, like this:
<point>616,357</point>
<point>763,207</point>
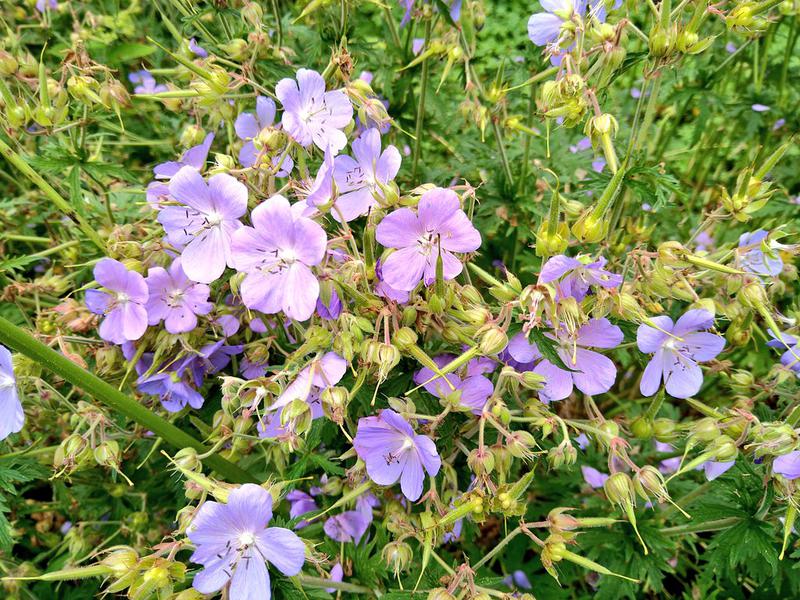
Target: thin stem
<point>21,341</point>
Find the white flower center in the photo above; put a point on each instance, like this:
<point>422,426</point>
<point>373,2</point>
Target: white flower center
<point>122,297</point>
<point>246,539</point>
<point>670,344</point>
<point>214,218</point>
<point>175,298</point>
<point>6,381</point>
<point>408,443</point>
<point>287,255</point>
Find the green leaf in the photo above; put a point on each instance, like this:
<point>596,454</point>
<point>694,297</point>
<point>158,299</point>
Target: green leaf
<point>548,348</point>
<point>129,51</point>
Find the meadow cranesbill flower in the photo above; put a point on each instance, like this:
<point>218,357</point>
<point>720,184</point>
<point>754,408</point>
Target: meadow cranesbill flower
<point>787,465</point>
<point>277,255</point>
<point>123,304</point>
<point>233,543</point>
<point>249,126</point>
<point>575,276</point>
<point>320,374</point>
<point>337,574</point>
<point>171,384</point>
<point>439,228</point>
<point>194,157</point>
<point>593,477</point>
<point>676,349</point>
<point>472,391</point>
<point>518,579</point>
<point>204,222</point>
<point>311,115</point>
<point>384,290</point>
<point>760,107</point>
<point>753,256</point>
<point>323,189</point>
<point>360,179</point>
<point>332,310</point>
<point>146,83</point>
<point>791,357</point>
<point>545,28</point>
<point>43,5</point>
<point>13,417</point>
<point>712,469</point>
<point>591,372</point>
<point>300,504</point>
<point>197,49</point>
<point>391,450</point>
<point>175,299</point>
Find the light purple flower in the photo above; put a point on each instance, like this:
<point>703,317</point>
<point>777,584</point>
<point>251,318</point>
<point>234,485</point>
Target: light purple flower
<point>760,107</point>
<point>574,276</point>
<point>439,228</point>
<point>277,254</point>
<point>592,373</point>
<point>791,357</point>
<point>204,222</point>
<point>545,28</point>
<point>351,525</point>
<point>197,49</point>
<point>337,574</point>
<point>233,543</point>
<point>778,124</point>
<point>668,465</point>
<point>13,417</point>
<point>194,157</point>
<point>384,290</point>
<point>787,465</point>
<point>392,451</point>
<point>593,477</point>
<point>582,440</point>
<point>754,258</point>
<point>331,311</point>
<point>312,115</point>
<point>704,242</point>
<point>123,305</point>
<point>319,375</point>
<point>712,469</point>
<point>147,83</point>
<point>249,126</point>
<point>175,299</point>
<point>172,386</point>
<point>43,5</point>
<point>583,144</point>
<point>301,504</point>
<point>472,391</point>
<point>676,351</point>
<point>360,180</point>
<point>518,579</point>
<point>730,47</point>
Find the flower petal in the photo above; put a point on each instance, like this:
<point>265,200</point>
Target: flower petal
<point>283,549</point>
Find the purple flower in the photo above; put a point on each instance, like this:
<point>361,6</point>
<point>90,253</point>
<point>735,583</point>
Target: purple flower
<point>175,299</point>
<point>10,407</point>
<point>43,5</point>
<point>322,190</point>
<point>677,348</point>
<point>173,388</point>
<point>787,465</point>
<point>312,115</point>
<point>384,290</point>
<point>204,222</point>
<point>712,469</point>
<point>593,477</point>
<point>730,47</point>
<point>147,83</point>
<point>361,179</point>
<point>197,49</point>
<point>757,255</point>
<point>583,144</point>
<point>454,532</point>
<point>301,503</point>
<point>392,451</point>
<point>332,310</point>
<point>319,375</point>
<point>778,124</point>
<point>277,254</point>
<point>668,465</point>
<point>337,574</point>
<point>194,157</point>
<point>704,242</point>
<point>233,543</point>
<point>583,441</point>
<point>518,579</point>
<point>439,228</point>
<point>123,304</point>
<point>471,392</point>
<point>592,373</point>
<point>545,28</point>
<point>351,525</point>
<point>574,276</point>
<point>760,107</point>
<point>249,126</point>
<point>791,357</point>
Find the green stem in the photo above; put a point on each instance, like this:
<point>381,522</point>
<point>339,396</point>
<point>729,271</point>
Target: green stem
<point>717,525</point>
<point>498,136</point>
<point>62,205</point>
<point>21,341</point>
<point>319,582</point>
<point>421,103</point>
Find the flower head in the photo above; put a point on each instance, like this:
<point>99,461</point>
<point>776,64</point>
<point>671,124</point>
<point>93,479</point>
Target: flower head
<point>756,254</point>
<point>249,126</point>
<point>194,157</point>
<point>311,115</point>
<point>547,28</point>
<point>438,228</point>
<point>472,391</point>
<point>146,83</point>
<point>676,349</point>
<point>277,254</point>
<point>574,276</point>
<point>173,386</point>
<point>593,477</point>
<point>392,451</point>
<point>197,49</point>
<point>300,504</point>
<point>360,178</point>
<point>787,465</point>
<point>233,543</point>
<point>204,221</point>
<point>791,357</point>
<point>175,299</point>
<point>10,407</point>
<point>123,304</point>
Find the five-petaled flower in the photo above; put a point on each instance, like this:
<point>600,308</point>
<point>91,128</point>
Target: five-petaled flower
<point>175,299</point>
<point>233,543</point>
<point>392,451</point>
<point>438,229</point>
<point>123,305</point>
<point>204,222</point>
<point>575,276</point>
<point>249,126</point>
<point>676,349</point>
<point>277,254</point>
<point>13,417</point>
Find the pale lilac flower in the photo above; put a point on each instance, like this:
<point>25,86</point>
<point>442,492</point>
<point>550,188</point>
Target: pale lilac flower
<point>472,391</point>
<point>204,222</point>
<point>712,469</point>
<point>351,525</point>
<point>319,375</point>
<point>598,164</point>
<point>787,465</point>
<point>123,305</point>
<point>453,532</point>
<point>337,574</point>
<point>146,83</point>
<point>582,144</point>
<point>233,543</point>
<point>791,357</point>
<point>384,290</point>
<point>545,28</point>
<point>704,242</point>
<point>43,5</point>
<point>760,107</point>
<point>249,126</point>
<point>582,440</point>
<point>13,417</point>
<point>417,45</point>
<point>730,47</point>
<point>754,258</point>
<point>172,386</point>
<point>518,579</point>
<point>332,310</point>
<point>668,465</point>
<point>439,228</point>
<point>676,349</point>
<point>175,299</point>
<point>778,124</point>
<point>592,373</point>
<point>593,477</point>
<point>636,93</point>
<point>575,276</point>
<point>360,180</point>
<point>301,504</point>
<point>277,254</point>
<point>194,157</point>
<point>197,49</point>
<point>312,115</point>
<point>392,451</point>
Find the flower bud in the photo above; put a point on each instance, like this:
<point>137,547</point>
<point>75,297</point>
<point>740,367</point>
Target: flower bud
<point>121,560</point>
<point>404,337</point>
<point>481,461</point>
<point>532,381</point>
<point>440,594</point>
<point>724,449</point>
<point>493,341</point>
<point>590,229</point>
<point>187,458</point>
<point>619,488</point>
<point>107,453</point>
<point>664,430</point>
<point>642,428</point>
<point>397,556</point>
<point>705,430</point>
<point>753,295</point>
<point>8,64</point>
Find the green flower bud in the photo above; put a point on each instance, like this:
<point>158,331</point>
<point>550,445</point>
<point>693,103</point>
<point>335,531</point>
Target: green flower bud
<point>440,594</point>
<point>187,458</point>
<point>397,556</point>
<point>8,64</point>
<point>532,381</point>
<point>481,461</point>
<point>724,449</point>
<point>493,341</point>
<point>107,453</point>
<point>664,430</point>
<point>705,430</point>
<point>642,428</point>
<point>619,488</point>
<point>120,560</point>
<point>404,337</point>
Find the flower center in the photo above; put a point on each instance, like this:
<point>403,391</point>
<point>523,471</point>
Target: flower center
<point>214,218</point>
<point>287,255</point>
<point>122,297</point>
<point>246,539</point>
<point>6,382</point>
<point>175,298</point>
